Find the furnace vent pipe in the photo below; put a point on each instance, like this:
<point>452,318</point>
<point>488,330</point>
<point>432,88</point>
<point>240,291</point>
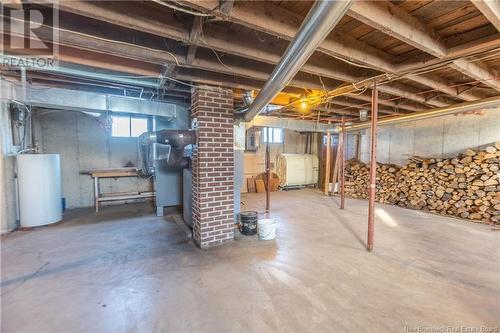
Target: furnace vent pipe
<point>437,112</point>
<point>176,139</point>
<point>320,20</point>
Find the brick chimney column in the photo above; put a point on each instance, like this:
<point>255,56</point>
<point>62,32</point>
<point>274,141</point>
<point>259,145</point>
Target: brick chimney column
<point>213,166</point>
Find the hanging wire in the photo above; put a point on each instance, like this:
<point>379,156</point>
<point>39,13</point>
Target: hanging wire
<point>174,57</point>
<point>181,9</point>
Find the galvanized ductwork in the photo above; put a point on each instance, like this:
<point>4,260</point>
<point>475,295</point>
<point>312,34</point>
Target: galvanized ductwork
<point>319,22</point>
<point>176,139</point>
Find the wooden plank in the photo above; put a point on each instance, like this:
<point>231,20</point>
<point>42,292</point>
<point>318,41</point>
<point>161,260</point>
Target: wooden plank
<point>463,26</point>
<point>114,174</point>
<point>194,35</point>
<point>336,166</point>
<point>490,9</point>
<point>397,23</point>
<point>284,24</point>
<point>388,18</point>
<point>223,40</point>
<point>259,185</point>
<point>160,57</point>
<point>251,185</point>
<point>126,197</point>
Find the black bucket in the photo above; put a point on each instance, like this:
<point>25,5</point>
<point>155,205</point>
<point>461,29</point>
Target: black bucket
<point>248,222</point>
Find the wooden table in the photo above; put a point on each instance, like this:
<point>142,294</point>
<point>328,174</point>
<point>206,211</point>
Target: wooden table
<point>115,173</point>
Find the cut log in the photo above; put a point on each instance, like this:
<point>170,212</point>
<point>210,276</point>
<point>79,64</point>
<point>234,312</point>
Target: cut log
<point>465,186</point>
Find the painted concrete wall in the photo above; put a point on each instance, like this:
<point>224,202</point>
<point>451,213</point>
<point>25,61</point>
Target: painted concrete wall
<point>7,161</point>
<point>7,172</point>
<point>254,162</point>
<point>85,145</point>
<point>437,137</point>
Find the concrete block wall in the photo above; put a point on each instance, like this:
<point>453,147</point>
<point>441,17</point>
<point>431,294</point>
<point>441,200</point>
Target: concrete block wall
<point>437,137</point>
<point>213,166</point>
<point>84,145</point>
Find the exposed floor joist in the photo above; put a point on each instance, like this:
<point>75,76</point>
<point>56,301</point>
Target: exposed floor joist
<point>238,43</point>
<point>223,41</point>
<point>193,38</point>
<point>136,52</point>
<point>490,9</point>
<point>393,21</point>
<point>284,24</point>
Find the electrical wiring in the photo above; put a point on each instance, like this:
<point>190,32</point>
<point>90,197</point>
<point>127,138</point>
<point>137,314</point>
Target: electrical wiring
<point>115,41</point>
<point>20,103</point>
<point>360,92</point>
<point>260,39</point>
<point>202,39</point>
<point>223,64</point>
<point>350,62</point>
<point>187,11</point>
<point>190,85</point>
<point>442,65</point>
<point>386,78</point>
<point>123,43</point>
<point>140,77</point>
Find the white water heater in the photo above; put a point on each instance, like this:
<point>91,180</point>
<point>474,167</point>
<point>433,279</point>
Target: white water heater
<point>40,194</point>
<point>297,169</point>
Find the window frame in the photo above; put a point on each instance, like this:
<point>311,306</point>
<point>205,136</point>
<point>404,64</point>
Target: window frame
<point>272,135</point>
<point>130,120</point>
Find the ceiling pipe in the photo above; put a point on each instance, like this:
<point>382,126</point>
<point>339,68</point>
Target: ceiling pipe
<point>320,20</point>
<point>438,112</point>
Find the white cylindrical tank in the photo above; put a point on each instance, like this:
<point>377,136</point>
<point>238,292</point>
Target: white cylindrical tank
<point>39,179</point>
<point>297,169</point>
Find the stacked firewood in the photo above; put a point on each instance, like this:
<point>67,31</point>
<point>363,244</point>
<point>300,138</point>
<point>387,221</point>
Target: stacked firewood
<point>466,186</point>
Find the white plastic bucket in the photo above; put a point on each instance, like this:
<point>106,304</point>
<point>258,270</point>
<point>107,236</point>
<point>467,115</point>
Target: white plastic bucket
<point>266,229</point>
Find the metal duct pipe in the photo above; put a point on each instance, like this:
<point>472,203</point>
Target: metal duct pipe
<point>248,97</point>
<point>176,139</point>
<point>320,20</point>
<point>447,110</point>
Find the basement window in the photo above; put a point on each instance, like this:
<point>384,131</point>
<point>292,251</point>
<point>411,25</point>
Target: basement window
<point>275,135</point>
<point>334,140</point>
<point>128,127</point>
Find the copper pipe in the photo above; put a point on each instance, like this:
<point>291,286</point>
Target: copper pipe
<point>268,174</point>
<point>342,166</point>
<point>373,169</point>
<point>484,103</point>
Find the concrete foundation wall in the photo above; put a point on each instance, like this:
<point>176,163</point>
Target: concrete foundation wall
<point>437,137</point>
<point>7,173</point>
<point>84,144</point>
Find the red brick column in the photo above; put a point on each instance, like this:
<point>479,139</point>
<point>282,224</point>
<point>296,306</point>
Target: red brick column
<point>213,166</point>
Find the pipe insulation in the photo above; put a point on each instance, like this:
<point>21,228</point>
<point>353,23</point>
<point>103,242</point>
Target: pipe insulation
<point>319,22</point>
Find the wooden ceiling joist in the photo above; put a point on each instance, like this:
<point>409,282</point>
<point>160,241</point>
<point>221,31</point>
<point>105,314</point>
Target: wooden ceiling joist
<point>388,18</point>
<point>490,9</point>
<point>435,54</point>
<point>193,38</point>
<point>231,43</point>
<point>282,23</point>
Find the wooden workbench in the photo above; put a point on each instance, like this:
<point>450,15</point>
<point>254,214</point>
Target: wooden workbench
<point>97,174</point>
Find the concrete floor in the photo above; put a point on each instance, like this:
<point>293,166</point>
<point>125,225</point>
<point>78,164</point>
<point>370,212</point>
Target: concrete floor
<point>124,270</point>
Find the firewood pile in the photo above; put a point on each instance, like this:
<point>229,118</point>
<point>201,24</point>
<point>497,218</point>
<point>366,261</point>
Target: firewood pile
<point>466,186</point>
